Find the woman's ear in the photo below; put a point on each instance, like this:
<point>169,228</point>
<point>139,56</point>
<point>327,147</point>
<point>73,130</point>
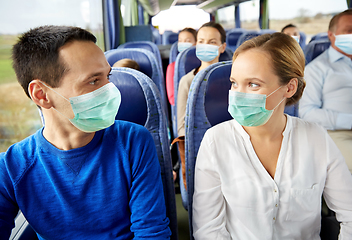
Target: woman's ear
<point>38,93</point>
<point>291,87</point>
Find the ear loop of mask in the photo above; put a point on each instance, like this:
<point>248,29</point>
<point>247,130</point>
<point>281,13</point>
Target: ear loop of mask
<point>279,102</point>
<point>59,95</point>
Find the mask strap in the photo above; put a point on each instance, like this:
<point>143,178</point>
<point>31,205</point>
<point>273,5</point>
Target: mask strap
<point>274,92</point>
<point>278,104</point>
<point>55,91</point>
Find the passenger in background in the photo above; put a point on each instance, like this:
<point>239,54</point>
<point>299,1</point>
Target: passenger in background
<point>262,175</point>
<point>126,62</point>
<point>327,99</point>
<point>83,175</point>
<point>211,42</point>
<point>187,37</point>
<point>292,31</point>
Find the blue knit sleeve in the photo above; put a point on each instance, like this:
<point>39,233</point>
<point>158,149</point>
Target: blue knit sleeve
<point>8,206</point>
<point>148,211</point>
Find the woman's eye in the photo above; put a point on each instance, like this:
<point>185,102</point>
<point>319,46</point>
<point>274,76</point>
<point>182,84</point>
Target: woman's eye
<point>253,85</point>
<point>234,84</point>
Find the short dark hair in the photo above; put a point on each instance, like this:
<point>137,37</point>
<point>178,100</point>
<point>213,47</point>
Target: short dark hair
<point>218,27</point>
<point>191,31</point>
<point>336,18</point>
<point>36,54</point>
<point>288,26</point>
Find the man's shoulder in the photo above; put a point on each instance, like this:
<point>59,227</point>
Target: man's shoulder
<point>320,61</point>
<point>122,129</point>
<point>19,157</point>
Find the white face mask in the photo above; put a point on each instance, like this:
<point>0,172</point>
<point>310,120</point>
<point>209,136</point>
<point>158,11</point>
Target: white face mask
<point>296,38</point>
<point>344,43</point>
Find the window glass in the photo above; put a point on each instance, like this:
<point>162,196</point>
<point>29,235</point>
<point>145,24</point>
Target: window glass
<point>311,17</point>
<point>18,115</point>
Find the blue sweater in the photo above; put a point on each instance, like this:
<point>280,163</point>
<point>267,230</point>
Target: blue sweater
<point>109,189</point>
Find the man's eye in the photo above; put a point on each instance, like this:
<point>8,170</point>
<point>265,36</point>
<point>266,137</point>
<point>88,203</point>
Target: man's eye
<point>108,76</point>
<point>93,82</point>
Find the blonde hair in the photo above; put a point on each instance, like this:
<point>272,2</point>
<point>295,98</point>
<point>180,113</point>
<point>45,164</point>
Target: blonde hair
<point>287,59</point>
<point>126,62</point>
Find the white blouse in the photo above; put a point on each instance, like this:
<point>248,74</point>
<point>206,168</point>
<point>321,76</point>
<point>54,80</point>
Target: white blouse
<point>236,198</point>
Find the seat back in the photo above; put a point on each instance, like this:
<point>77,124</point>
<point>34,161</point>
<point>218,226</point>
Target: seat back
<point>267,31</point>
<point>139,94</point>
<point>169,37</point>
<point>185,62</point>
<point>232,37</point>
<point>148,46</point>
<point>302,40</point>
<point>173,52</point>
<point>315,48</point>
<point>319,36</point>
<point>206,106</point>
<point>22,229</point>
<point>147,64</point>
<point>246,36</point>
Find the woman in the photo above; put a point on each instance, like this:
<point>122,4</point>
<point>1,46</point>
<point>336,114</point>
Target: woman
<point>211,42</point>
<point>186,38</point>
<point>262,175</point>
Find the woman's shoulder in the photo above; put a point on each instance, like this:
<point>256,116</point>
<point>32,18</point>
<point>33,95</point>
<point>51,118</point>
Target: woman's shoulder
<point>221,130</point>
<point>310,128</point>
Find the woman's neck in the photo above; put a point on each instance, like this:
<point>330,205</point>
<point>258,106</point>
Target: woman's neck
<point>207,64</point>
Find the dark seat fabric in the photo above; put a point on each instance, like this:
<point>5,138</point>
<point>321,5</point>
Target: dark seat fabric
<point>315,48</point>
<point>141,103</point>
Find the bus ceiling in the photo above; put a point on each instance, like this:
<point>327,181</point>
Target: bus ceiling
<point>153,7</point>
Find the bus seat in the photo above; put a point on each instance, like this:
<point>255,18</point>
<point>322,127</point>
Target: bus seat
<point>147,64</point>
<point>292,110</point>
<point>232,37</point>
<point>148,45</point>
<point>173,52</point>
<point>206,106</point>
<point>22,229</point>
<point>169,37</point>
<point>156,35</point>
<point>141,101</point>
<point>185,62</point>
<point>315,48</point>
<point>267,31</point>
<point>319,36</point>
<point>246,36</point>
<point>302,40</point>
<point>138,33</point>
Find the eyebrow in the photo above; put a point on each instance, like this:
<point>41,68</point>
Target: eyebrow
<point>248,79</point>
<point>97,74</point>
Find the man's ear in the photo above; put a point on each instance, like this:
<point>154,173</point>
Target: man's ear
<point>38,93</point>
<point>331,37</point>
<point>291,88</point>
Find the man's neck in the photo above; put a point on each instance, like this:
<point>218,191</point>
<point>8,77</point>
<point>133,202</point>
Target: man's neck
<point>62,134</point>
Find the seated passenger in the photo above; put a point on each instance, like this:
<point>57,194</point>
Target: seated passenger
<point>186,38</point>
<point>262,175</point>
<point>83,175</point>
<point>211,42</point>
<point>292,31</point>
<point>327,99</point>
<point>126,62</point>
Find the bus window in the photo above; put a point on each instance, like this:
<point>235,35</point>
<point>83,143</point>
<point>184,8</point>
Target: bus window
<point>311,17</point>
<point>18,115</point>
<point>178,17</point>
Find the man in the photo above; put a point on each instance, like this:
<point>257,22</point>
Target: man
<point>83,176</point>
<point>327,99</point>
